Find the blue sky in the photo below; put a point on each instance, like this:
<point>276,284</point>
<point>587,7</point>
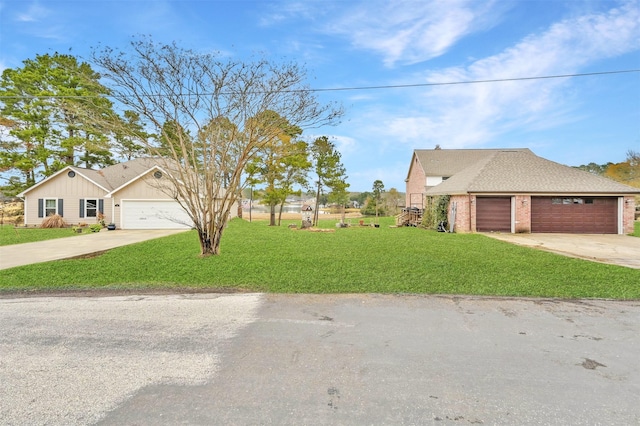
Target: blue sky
<point>352,43</point>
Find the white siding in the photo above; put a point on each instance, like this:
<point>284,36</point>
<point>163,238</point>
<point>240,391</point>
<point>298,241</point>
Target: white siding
<point>71,190</point>
<point>434,180</point>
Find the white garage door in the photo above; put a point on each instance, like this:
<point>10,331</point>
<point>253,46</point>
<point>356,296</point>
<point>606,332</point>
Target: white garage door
<point>154,215</point>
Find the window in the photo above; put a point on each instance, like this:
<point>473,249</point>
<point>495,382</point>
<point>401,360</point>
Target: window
<point>91,208</point>
<point>556,201</point>
<point>71,174</point>
<point>50,207</point>
<point>157,174</point>
<point>588,200</point>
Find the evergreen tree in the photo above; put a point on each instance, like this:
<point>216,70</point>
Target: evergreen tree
<point>329,171</point>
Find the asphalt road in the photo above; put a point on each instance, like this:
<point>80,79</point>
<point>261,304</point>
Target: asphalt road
<point>325,359</point>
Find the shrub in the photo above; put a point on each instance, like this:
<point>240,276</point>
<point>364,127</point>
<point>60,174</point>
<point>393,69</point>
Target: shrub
<point>96,227</point>
<point>53,221</point>
<point>436,211</point>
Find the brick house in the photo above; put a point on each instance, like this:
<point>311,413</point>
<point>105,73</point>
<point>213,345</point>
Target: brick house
<point>514,190</point>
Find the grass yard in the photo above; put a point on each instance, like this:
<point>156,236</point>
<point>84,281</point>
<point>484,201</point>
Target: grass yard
<point>256,257</point>
<point>636,230</point>
<point>10,235</point>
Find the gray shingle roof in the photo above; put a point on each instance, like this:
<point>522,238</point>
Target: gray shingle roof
<point>520,171</point>
<point>447,162</point>
<point>113,177</point>
<point>119,174</point>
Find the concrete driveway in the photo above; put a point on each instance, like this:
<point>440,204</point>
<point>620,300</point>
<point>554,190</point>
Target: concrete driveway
<point>260,359</point>
<point>64,248</point>
<point>621,250</point>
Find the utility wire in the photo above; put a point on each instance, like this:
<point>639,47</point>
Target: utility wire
<point>382,87</point>
<point>450,83</point>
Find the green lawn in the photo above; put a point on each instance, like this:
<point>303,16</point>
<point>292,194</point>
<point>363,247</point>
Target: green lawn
<point>256,257</point>
<point>10,235</point>
<point>636,230</point>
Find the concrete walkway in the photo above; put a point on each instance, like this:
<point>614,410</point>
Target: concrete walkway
<point>64,248</point>
<point>621,250</point>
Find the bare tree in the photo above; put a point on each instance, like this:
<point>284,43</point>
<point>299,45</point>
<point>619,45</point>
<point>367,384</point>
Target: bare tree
<point>215,107</point>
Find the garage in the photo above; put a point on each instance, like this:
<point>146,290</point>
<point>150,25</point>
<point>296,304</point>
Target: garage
<point>156,214</point>
<point>577,215</point>
<point>493,214</point>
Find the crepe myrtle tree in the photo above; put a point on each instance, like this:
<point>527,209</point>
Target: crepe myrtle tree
<point>216,109</point>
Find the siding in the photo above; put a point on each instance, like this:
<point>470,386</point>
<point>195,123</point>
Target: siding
<point>71,190</point>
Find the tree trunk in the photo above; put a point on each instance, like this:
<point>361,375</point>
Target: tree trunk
<point>315,212</point>
<point>272,214</point>
<point>280,213</point>
<point>210,244</point>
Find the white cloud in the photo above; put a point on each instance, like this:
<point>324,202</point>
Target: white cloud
<point>284,11</point>
<point>34,13</point>
<point>472,114</point>
<point>344,144</point>
<point>410,31</point>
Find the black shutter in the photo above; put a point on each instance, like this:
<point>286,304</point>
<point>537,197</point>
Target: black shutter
<point>101,206</point>
<point>81,207</point>
<point>60,209</point>
<point>40,207</point>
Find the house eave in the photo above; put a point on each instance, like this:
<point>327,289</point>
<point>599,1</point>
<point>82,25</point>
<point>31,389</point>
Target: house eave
<point>77,170</point>
<point>130,181</point>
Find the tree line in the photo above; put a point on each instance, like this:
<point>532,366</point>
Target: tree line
<point>215,124</point>
<point>627,172</point>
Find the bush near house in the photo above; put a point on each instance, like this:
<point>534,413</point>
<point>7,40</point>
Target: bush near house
<point>53,221</point>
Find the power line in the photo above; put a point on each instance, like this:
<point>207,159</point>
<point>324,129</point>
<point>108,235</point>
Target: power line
<point>451,83</point>
<point>381,87</point>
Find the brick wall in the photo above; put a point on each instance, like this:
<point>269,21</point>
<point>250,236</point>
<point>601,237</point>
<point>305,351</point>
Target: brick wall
<point>629,207</point>
<point>522,213</point>
<point>415,185</point>
<point>463,213</point>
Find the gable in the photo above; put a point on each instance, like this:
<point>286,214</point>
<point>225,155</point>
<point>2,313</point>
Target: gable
<point>106,180</point>
<point>145,186</point>
<point>68,182</point>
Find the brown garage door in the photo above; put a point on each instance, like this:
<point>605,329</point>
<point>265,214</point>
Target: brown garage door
<point>493,214</point>
<point>576,215</point>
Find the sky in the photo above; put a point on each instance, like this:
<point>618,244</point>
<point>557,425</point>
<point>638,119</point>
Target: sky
<point>353,44</point>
